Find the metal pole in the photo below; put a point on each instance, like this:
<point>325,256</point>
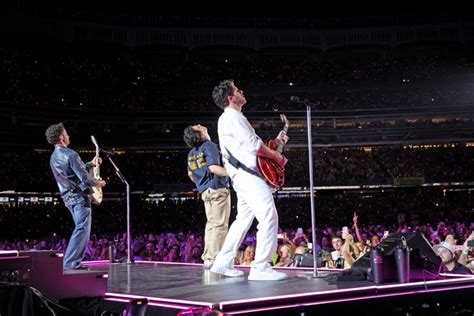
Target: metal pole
<point>122,178</point>
<point>311,187</point>
<point>129,260</point>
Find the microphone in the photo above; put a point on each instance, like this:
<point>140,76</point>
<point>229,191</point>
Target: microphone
<point>105,152</point>
<point>306,102</point>
<point>294,98</point>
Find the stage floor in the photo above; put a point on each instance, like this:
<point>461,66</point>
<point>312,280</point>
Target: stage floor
<point>186,286</point>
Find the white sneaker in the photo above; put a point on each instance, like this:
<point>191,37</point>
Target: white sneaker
<point>207,264</point>
<point>230,272</point>
<point>266,275</point>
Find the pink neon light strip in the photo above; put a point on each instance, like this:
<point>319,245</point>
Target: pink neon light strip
<point>16,257</point>
<point>122,300</point>
<point>7,252</point>
<point>431,282</point>
<point>343,300</point>
<point>319,293</point>
<point>359,289</point>
<point>159,299</point>
<point>451,275</point>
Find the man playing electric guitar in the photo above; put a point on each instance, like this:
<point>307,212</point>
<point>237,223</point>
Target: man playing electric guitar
<point>240,146</point>
<point>75,183</point>
<point>97,194</point>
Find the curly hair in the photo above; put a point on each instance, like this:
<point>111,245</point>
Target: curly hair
<point>221,92</point>
<point>191,137</point>
<point>53,132</point>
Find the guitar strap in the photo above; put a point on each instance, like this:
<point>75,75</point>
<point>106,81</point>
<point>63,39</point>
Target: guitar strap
<point>237,164</point>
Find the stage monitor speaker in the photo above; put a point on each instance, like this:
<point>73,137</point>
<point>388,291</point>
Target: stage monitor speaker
<point>424,263</point>
<point>306,260</point>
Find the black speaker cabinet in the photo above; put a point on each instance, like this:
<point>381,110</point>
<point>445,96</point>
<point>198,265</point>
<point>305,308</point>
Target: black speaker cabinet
<point>424,263</point>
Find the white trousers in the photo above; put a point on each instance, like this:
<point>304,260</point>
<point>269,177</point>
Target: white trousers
<point>254,200</point>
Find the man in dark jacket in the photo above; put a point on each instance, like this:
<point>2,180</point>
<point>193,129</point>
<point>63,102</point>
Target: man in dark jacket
<point>75,185</point>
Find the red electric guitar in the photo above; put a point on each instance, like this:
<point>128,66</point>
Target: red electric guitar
<point>270,170</point>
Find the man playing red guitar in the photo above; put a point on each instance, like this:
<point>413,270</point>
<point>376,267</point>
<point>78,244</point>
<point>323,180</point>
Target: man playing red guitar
<point>240,146</point>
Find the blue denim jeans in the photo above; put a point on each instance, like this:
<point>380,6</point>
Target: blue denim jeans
<point>80,208</point>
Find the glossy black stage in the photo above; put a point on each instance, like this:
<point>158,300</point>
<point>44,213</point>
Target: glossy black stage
<point>179,288</point>
<point>188,289</point>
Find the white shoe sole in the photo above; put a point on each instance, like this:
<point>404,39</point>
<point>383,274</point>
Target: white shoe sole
<point>233,273</point>
<point>207,266</point>
<point>262,277</point>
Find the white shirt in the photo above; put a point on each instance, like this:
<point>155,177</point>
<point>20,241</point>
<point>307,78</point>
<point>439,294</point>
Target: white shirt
<point>238,136</point>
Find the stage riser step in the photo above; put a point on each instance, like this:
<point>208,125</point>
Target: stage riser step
<point>72,285</point>
<point>46,260</point>
<point>23,263</point>
<point>44,271</point>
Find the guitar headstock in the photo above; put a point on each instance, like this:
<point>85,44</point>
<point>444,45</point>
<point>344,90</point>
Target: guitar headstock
<point>94,141</point>
<point>285,120</point>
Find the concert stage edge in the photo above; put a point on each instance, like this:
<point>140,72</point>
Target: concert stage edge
<point>188,289</point>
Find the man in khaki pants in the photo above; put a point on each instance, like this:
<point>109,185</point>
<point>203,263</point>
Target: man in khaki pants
<point>212,182</point>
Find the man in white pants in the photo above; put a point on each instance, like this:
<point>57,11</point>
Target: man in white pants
<point>238,140</point>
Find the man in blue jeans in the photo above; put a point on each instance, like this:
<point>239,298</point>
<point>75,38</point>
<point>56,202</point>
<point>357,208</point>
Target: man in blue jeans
<point>75,185</point>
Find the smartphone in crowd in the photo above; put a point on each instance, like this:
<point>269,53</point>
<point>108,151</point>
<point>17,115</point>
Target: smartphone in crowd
<point>345,230</point>
<point>385,234</point>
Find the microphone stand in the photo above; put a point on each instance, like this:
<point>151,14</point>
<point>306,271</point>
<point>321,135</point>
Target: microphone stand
<point>308,105</point>
<point>311,184</point>
<point>122,178</point>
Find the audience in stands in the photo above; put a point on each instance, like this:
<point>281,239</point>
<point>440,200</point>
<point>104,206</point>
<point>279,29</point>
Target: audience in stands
<point>163,171</point>
<point>142,81</point>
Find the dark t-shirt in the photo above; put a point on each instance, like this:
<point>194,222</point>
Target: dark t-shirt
<point>199,160</point>
<point>458,269</point>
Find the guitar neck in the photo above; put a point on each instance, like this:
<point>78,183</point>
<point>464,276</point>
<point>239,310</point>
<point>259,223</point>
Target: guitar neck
<point>280,143</point>
<point>97,168</point>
